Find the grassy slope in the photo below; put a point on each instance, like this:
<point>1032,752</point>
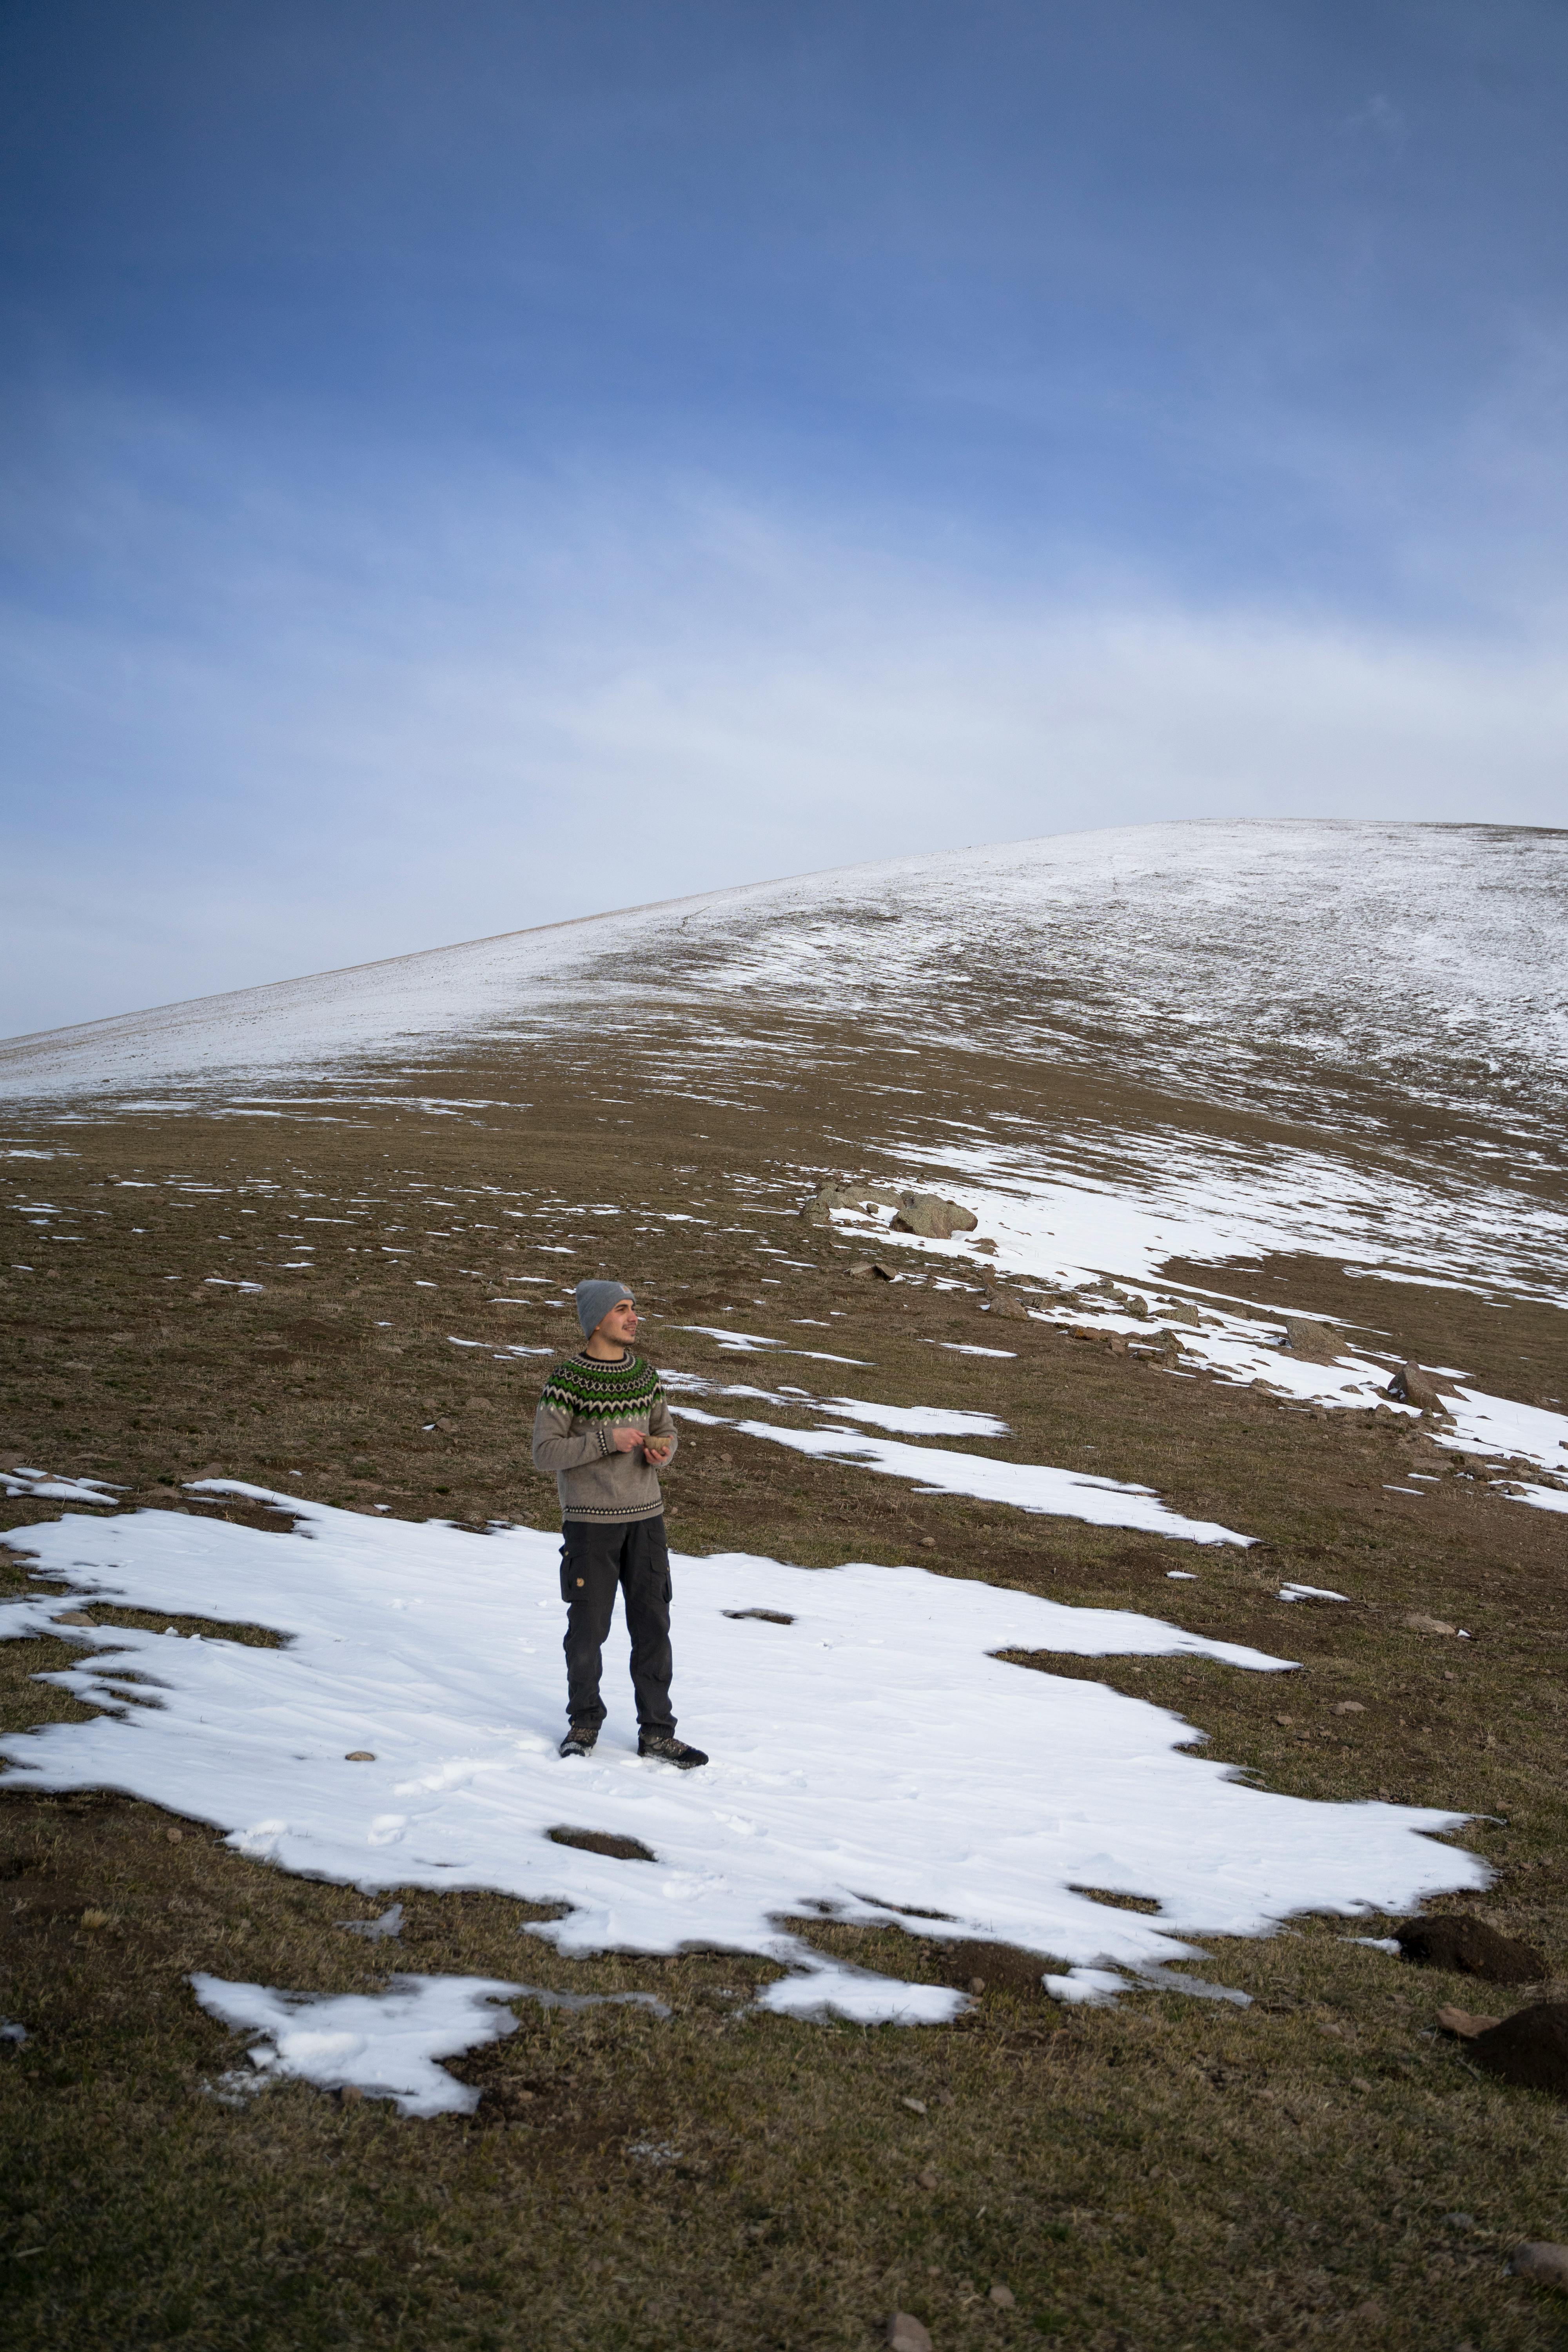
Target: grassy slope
<point>1174,2173</point>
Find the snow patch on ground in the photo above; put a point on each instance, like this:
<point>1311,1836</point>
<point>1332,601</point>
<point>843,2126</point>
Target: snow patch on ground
<point>1489,1425</point>
<point>756,1343</point>
<point>908,1420</point>
<point>1025,1485</point>
<point>1544,1499</point>
<point>1073,1227</point>
<point>40,1486</point>
<point>874,1760</point>
<point>383,2045</point>
<point>1123,1202</point>
<point>832,1989</point>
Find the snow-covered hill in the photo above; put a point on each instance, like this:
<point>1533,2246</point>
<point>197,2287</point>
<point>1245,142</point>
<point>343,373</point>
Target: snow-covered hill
<point>1287,965</point>
<point>1348,1040</point>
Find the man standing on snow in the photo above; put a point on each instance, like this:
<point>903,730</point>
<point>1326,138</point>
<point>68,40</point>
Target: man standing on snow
<point>604,1428</point>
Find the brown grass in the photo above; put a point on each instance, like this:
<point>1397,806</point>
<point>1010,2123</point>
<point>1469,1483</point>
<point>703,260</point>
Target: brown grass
<point>1175,2173</point>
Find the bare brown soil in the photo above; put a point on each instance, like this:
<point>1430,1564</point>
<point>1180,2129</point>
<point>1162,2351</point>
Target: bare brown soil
<point>1174,2173</point>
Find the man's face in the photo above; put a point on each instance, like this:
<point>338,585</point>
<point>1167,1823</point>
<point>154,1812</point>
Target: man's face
<point>620,1325</point>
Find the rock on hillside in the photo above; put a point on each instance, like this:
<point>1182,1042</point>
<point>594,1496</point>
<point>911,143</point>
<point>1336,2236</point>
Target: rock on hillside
<point>926,1214</point>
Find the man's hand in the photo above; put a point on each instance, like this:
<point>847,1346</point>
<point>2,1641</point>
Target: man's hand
<point>656,1450</point>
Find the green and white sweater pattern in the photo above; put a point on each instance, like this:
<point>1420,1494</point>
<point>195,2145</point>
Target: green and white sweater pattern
<point>582,1403</point>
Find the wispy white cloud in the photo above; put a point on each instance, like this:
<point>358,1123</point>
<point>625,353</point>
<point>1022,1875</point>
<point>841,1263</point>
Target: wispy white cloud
<point>390,715</point>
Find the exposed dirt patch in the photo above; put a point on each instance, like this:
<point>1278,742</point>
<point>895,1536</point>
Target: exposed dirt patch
<point>617,1849</point>
<point>973,1967</point>
<point>1529,2048</point>
<point>1467,1947</point>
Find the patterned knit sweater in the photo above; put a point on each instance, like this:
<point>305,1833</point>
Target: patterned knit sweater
<point>582,1404</point>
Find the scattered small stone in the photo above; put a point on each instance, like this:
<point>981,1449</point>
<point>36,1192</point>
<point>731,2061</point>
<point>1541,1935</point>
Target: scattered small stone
<point>72,1617</point>
<point>1008,1305</point>
<point>977,1984</point>
<point>174,1837</point>
<point>1347,1706</point>
<point>1454,1940</point>
<point>1003,2297</point>
<point>905,2334</point>
<point>1466,2025</point>
<point>1540,2260</point>
<point>1416,1623</point>
<point>1285,1721</point>
<point>359,1756</point>
<point>350,2095</point>
<point>927,1543</point>
<point>916,2106</point>
<point>818,1210</point>
<point>927,2179</point>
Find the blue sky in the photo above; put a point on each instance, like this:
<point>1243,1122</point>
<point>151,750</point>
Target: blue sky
<point>467,466</point>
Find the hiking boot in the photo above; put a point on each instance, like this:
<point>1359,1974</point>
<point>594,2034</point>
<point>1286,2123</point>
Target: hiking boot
<point>670,1750</point>
<point>579,1740</point>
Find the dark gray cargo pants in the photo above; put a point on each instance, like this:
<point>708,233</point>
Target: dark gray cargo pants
<point>597,1555</point>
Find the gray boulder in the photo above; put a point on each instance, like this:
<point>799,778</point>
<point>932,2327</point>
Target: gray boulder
<point>1314,1342</point>
<point>932,1217</point>
<point>1411,1385</point>
<point>926,1214</point>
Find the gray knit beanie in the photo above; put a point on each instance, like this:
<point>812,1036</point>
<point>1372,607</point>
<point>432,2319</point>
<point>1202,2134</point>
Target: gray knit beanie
<point>595,1300</point>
